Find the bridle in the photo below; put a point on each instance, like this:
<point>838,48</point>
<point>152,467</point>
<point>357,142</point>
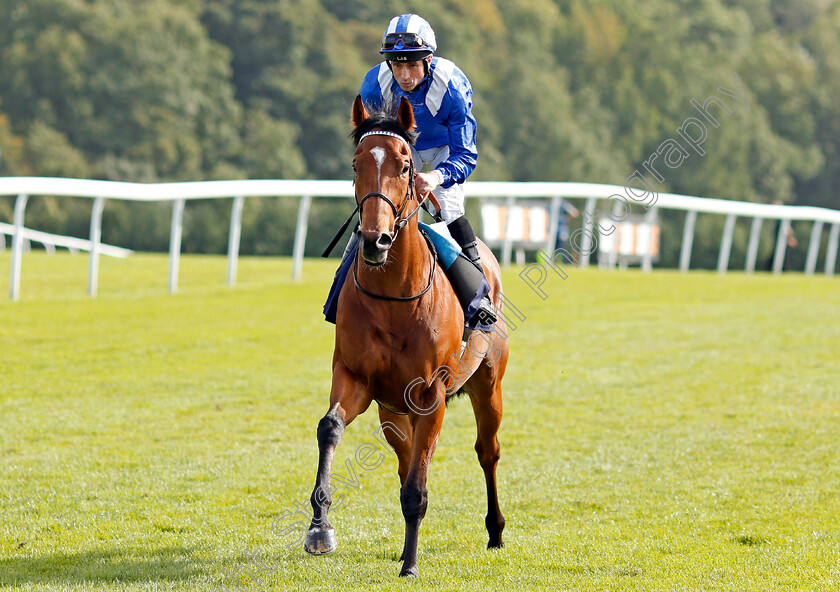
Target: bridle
<point>399,221</point>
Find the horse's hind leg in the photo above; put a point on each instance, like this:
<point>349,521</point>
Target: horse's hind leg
<point>488,417</point>
<point>413,493</point>
<point>398,432</point>
<point>347,401</point>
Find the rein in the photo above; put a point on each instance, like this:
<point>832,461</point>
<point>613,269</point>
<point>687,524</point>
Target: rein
<point>367,292</point>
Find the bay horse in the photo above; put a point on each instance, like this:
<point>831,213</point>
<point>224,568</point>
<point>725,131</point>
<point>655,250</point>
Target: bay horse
<point>399,328</point>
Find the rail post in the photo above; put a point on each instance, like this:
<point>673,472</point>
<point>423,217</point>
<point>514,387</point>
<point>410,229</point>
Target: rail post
<point>831,253</point>
<point>687,240</point>
<point>175,233</point>
<point>586,246</point>
<point>647,258</point>
<point>726,244</point>
<point>95,241</point>
<point>781,247</point>
<point>17,246</point>
<point>234,238</point>
<point>752,248</point>
<point>300,235</point>
<point>813,247</point>
<point>507,244</point>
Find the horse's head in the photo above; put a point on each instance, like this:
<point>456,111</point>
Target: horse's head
<point>384,176</point>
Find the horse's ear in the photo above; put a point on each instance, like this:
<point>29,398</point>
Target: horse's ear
<point>359,111</point>
<point>405,114</point>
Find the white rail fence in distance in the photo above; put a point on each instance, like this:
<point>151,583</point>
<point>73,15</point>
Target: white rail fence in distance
<point>306,190</point>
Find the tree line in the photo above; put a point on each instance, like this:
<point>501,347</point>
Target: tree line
<point>564,90</point>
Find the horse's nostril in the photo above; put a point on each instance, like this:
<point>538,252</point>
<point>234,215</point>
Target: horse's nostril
<point>379,241</point>
<point>384,241</point>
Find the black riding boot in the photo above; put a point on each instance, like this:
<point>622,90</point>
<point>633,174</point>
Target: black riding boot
<point>351,244</point>
<point>464,235</point>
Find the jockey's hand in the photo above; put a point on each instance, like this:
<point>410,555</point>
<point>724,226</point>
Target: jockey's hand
<point>427,182</point>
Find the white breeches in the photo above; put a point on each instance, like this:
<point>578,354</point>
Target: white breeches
<point>452,198</point>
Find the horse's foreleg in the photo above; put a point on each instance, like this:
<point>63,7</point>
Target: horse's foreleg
<point>413,493</point>
<point>347,400</point>
<point>320,538</point>
<point>488,417</point>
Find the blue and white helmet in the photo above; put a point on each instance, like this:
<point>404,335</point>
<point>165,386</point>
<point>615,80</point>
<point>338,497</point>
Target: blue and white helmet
<point>408,38</point>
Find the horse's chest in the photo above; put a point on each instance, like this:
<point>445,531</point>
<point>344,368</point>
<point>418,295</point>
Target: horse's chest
<point>384,356</point>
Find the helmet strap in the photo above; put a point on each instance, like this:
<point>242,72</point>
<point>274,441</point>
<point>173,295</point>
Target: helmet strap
<point>426,61</point>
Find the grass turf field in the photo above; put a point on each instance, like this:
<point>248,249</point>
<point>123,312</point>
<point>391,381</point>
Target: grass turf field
<point>661,432</point>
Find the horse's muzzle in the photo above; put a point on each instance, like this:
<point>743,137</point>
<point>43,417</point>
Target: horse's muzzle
<point>375,246</point>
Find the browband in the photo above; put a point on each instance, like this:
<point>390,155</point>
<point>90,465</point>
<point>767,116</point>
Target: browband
<point>385,133</point>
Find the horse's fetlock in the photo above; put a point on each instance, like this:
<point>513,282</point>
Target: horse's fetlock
<point>414,501</point>
<point>321,498</point>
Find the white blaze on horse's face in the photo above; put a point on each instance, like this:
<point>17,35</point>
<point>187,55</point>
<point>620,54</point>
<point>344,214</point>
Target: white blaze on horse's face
<point>379,156</point>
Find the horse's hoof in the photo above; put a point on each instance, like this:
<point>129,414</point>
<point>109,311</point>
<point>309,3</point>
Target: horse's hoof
<point>409,572</point>
<point>320,541</point>
<point>495,544</point>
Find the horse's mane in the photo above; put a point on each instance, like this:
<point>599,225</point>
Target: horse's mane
<point>383,118</point>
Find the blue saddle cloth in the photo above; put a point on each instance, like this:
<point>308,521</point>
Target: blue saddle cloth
<point>446,250</point>
<point>331,305</point>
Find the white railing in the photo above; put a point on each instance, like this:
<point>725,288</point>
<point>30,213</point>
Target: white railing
<point>179,193</point>
<point>51,241</point>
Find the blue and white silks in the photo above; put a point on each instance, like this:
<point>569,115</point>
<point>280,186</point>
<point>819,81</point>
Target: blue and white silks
<point>442,105</point>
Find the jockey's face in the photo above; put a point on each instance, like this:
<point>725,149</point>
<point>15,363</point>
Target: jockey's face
<point>408,74</point>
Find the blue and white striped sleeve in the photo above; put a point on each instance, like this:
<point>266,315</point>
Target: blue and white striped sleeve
<point>463,153</point>
<point>378,78</point>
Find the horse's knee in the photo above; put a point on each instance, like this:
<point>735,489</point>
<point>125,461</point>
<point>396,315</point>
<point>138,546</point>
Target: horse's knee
<point>414,501</point>
<point>330,429</point>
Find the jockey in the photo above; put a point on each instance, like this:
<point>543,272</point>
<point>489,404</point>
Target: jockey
<point>441,96</point>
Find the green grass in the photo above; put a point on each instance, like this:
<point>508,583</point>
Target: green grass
<point>661,432</point>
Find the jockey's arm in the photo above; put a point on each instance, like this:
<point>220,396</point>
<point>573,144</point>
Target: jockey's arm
<point>463,152</point>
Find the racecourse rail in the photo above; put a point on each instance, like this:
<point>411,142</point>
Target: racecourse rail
<point>306,190</point>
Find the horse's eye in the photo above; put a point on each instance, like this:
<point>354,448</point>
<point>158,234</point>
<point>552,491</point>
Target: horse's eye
<point>405,168</point>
